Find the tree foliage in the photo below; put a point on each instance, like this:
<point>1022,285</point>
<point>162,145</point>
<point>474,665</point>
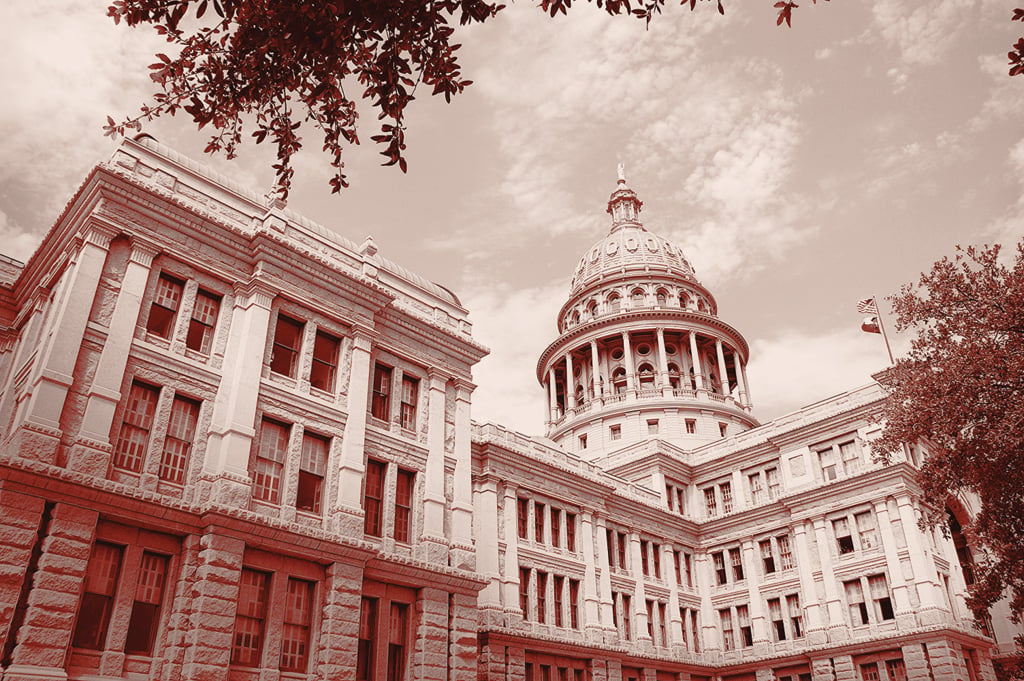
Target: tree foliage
<point>961,391</point>
<point>276,65</point>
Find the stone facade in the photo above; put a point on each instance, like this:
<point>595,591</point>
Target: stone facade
<point>236,446</point>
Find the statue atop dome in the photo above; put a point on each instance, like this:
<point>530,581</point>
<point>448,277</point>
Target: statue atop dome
<point>621,170</point>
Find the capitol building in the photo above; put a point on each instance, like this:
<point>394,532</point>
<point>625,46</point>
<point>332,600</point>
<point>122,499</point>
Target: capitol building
<point>236,446</point>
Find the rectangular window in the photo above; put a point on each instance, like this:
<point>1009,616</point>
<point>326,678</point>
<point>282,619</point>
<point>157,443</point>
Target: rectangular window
<point>645,565</point>
<point>558,584</point>
<point>785,552</point>
<point>652,426</point>
<point>570,532</point>
<point>133,437</point>
<point>828,464</point>
<point>583,442</point>
<point>312,468</point>
<point>542,596</point>
<point>398,633</point>
<point>855,600</point>
<point>98,596</point>
<point>627,616</point>
<point>538,522</point>
<point>181,431</point>
<point>869,672</point>
<point>164,309</point>
<point>736,557</point>
<point>746,631</point>
<point>844,540</point>
<point>247,642</point>
<point>367,636</point>
<point>771,476</point>
<point>723,429</point>
<point>796,615</point>
<point>284,355</point>
<point>718,558</point>
<point>662,625</point>
<point>574,603</point>
<point>691,426</point>
<point>204,319</point>
<point>403,505</point>
<point>880,595</point>
<point>522,516</point>
<point>268,466</point>
<point>756,490</point>
<point>149,593</point>
<point>380,406</point>
<point>373,497</point>
<point>726,490</point>
<point>622,552</point>
<point>556,526</point>
<point>615,432</point>
<point>656,560</point>
<point>524,593</point>
<point>710,503</point>
<point>897,670</point>
<point>767,557</point>
<point>728,636</point>
<point>650,620</point>
<point>410,398</point>
<point>850,454</point>
<point>298,618</point>
<point>775,616</point>
<point>324,369</point>
<point>867,529</point>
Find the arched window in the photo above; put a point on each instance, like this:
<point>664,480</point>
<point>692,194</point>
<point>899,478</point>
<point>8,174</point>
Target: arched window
<point>575,317</point>
<point>693,379</point>
<point>684,300</point>
<point>614,303</point>
<point>963,549</point>
<point>579,395</point>
<point>638,298</point>
<point>701,305</point>
<point>662,297</point>
<point>673,376</point>
<point>592,309</point>
<point>715,386</point>
<point>619,380</point>
<point>646,374</point>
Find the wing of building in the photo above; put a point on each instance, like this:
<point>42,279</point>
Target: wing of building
<point>237,447</point>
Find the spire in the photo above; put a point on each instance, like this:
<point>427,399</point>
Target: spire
<point>623,205</point>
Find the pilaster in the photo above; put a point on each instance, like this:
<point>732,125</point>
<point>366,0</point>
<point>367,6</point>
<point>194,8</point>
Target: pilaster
<point>347,508</point>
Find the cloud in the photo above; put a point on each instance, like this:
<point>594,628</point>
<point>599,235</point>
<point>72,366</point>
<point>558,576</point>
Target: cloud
<point>793,368</point>
<point>921,32</point>
<point>516,325</point>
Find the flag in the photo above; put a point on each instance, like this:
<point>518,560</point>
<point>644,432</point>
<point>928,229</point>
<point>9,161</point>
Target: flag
<point>870,325</point>
<point>867,306</point>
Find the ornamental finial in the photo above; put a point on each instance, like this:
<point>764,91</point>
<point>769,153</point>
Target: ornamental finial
<point>621,169</point>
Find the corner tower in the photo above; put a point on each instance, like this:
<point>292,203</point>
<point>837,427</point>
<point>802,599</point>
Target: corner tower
<point>641,352</point>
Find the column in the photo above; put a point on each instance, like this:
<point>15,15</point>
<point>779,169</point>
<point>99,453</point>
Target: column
<point>901,599</point>
<point>434,543</point>
<point>639,592</point>
<point>59,347</point>
<point>605,582</point>
<point>627,354</point>
<point>510,580</point>
<point>746,383</point>
<point>104,394</point>
<point>552,396</point>
<point>598,385</point>
<point>226,465</point>
<point>925,575</point>
<point>663,363</point>
<point>339,621</point>
<point>695,360</point>
<point>815,619</point>
<point>758,621</point>
<point>741,382</point>
<point>462,502</point>
<point>676,626</point>
<point>348,506</point>
<point>723,375</point>
<point>570,387</point>
<point>485,504</point>
<point>836,622</point>
<point>708,616</point>
<point>591,604</point>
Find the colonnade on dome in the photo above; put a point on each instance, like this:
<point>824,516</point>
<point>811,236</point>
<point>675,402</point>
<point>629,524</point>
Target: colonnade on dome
<point>641,351</point>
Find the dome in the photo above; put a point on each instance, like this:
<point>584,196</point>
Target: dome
<point>628,247</point>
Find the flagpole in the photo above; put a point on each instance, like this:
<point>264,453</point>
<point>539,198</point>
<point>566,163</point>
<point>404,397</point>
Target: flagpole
<point>881,327</point>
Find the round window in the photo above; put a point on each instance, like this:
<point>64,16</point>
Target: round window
<point>670,349</point>
<point>643,349</point>
<point>617,354</point>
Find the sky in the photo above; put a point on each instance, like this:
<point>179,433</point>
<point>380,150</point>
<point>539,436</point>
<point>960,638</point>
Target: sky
<point>801,169</point>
